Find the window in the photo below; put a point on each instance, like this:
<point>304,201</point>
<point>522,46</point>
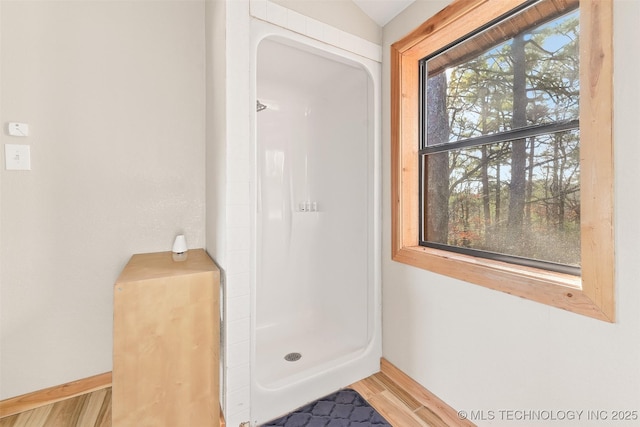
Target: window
<point>500,142</point>
<point>502,169</point>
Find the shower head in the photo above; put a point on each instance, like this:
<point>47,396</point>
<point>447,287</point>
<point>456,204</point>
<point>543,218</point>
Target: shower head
<point>260,106</point>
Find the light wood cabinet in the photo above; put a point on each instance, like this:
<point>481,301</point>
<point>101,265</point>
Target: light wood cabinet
<point>166,336</point>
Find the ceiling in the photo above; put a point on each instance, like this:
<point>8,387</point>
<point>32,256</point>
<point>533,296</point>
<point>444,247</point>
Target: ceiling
<point>382,11</point>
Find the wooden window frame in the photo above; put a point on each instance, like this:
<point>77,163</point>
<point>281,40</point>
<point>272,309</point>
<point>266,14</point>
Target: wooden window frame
<point>592,294</point>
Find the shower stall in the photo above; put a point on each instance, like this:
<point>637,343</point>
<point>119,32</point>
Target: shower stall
<point>316,290</point>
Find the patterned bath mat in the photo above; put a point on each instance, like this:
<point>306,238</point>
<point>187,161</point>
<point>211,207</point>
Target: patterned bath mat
<point>344,408</point>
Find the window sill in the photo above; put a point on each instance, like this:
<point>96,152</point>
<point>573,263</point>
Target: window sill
<point>556,289</point>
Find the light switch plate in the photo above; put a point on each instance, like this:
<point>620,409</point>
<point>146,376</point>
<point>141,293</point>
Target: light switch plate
<point>17,157</point>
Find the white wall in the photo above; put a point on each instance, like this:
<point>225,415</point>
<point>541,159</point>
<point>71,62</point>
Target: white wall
<point>216,127</point>
<point>114,93</point>
<point>228,167</point>
<point>480,349</point>
<point>341,14</point>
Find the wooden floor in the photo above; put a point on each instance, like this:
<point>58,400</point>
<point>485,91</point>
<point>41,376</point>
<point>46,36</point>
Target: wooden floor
<point>87,410</point>
<point>395,404</point>
<point>404,402</point>
<point>400,401</point>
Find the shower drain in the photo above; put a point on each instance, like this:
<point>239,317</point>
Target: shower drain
<point>292,357</point>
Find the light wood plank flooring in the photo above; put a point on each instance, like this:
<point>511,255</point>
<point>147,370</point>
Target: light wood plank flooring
<point>87,410</point>
<point>390,398</point>
<point>395,404</point>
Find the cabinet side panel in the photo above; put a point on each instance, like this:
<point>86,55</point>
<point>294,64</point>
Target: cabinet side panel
<point>166,335</point>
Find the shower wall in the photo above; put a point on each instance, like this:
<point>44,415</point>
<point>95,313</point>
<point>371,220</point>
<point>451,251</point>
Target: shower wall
<point>313,218</point>
<point>315,291</point>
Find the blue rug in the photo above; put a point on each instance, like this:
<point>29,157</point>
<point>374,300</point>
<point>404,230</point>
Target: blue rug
<point>344,408</point>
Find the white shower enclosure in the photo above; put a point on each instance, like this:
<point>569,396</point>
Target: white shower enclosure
<point>316,290</point>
